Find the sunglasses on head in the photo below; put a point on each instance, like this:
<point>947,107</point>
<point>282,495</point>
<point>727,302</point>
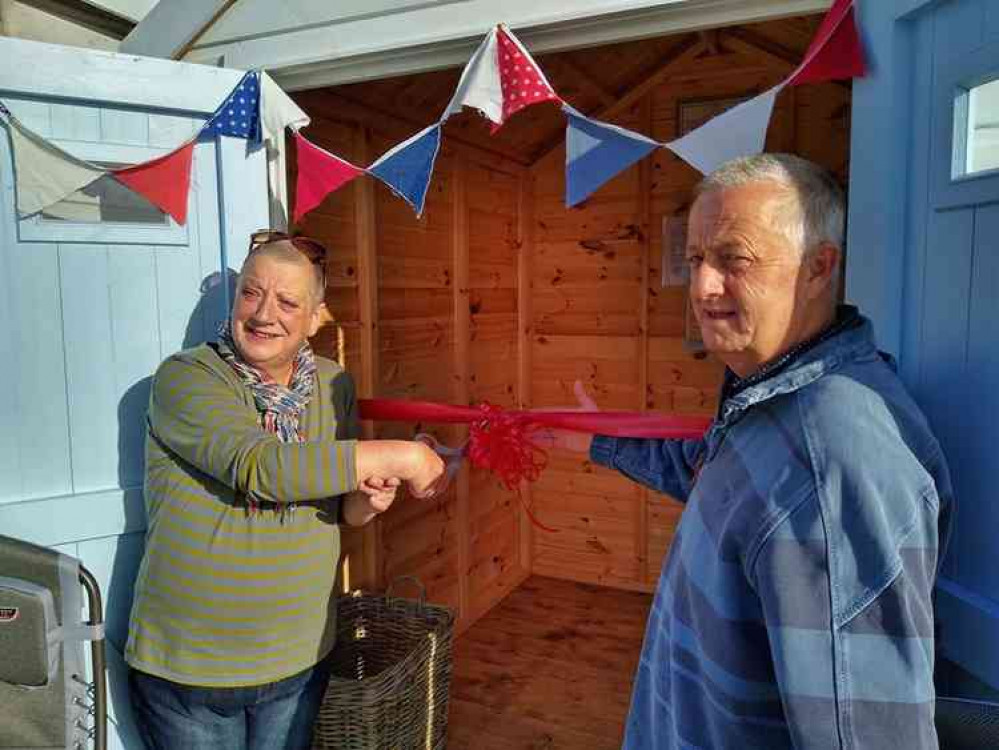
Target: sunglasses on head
<point>310,248</point>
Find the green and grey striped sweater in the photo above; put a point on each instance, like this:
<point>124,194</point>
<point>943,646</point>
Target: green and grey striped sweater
<point>223,597</point>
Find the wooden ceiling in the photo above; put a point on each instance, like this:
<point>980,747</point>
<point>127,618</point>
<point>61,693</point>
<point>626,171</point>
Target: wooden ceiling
<point>600,81</point>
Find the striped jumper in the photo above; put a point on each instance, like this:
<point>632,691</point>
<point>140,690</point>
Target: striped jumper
<point>226,598</point>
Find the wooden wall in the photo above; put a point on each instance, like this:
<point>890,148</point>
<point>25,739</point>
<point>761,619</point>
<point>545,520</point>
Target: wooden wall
<point>500,293</point>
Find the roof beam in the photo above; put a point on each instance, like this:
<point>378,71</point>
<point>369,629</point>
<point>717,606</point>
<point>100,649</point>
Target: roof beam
<point>170,29</point>
<point>585,81</point>
<point>746,40</point>
<point>763,44</point>
<point>86,15</point>
<point>684,51</point>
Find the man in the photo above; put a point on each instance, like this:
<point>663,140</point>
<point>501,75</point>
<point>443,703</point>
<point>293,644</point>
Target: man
<point>794,609</point>
<point>251,458</point>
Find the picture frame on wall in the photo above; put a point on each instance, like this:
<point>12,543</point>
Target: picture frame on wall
<point>675,272</point>
<point>692,113</point>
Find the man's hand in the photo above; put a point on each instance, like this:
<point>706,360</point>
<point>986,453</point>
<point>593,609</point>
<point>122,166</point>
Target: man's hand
<point>568,440</point>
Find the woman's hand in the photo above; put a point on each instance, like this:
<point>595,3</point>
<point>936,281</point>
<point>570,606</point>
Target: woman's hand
<point>428,475</point>
<point>374,496</point>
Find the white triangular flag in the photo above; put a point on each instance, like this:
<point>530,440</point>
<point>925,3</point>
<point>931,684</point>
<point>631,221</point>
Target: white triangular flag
<point>43,173</point>
<point>277,112</point>
<point>479,86</point>
<point>740,131</point>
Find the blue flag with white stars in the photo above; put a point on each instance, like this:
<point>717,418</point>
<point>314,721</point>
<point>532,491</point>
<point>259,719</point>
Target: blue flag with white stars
<point>239,115</point>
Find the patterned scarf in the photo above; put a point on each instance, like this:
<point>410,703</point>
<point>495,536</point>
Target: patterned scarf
<point>281,407</point>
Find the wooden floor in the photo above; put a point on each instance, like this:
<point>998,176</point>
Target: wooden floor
<point>549,668</point>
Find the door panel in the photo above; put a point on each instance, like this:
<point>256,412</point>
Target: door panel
<point>93,295</point>
<point>951,304</point>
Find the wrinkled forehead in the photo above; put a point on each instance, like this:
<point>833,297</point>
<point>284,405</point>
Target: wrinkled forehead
<point>288,274</point>
<point>280,263</point>
<point>745,211</point>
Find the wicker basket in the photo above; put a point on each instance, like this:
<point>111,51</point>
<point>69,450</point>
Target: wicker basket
<point>391,672</point>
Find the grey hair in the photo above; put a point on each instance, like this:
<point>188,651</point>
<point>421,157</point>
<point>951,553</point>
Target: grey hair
<point>817,212</point>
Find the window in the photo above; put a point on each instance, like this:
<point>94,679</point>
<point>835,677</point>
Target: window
<point>976,129</point>
<point>105,211</point>
<point>106,200</point>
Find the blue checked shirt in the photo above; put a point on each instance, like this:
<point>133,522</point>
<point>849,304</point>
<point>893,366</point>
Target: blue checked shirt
<point>794,608</point>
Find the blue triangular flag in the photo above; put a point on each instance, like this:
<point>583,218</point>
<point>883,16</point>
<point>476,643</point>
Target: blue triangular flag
<point>407,168</point>
<point>597,151</point>
<point>239,115</point>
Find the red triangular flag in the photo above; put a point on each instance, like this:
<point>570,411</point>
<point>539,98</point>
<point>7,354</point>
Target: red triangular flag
<point>836,52</point>
<point>319,174</point>
<point>164,181</point>
<point>521,80</point>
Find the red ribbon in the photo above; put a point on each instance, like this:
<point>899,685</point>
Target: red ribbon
<point>501,440</point>
<point>612,423</point>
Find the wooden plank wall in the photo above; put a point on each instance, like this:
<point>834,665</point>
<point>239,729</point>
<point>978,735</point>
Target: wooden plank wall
<point>441,323</point>
<point>500,293</point>
<point>601,316</point>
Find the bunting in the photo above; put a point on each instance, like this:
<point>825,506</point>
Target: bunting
<point>499,80</point>
<point>239,115</point>
<point>407,168</point>
<point>44,174</point>
<point>521,80</point>
<point>164,182</point>
<point>836,52</point>
<point>596,152</point>
<point>740,131</point>
<point>479,86</point>
<point>277,112</point>
<point>319,174</point>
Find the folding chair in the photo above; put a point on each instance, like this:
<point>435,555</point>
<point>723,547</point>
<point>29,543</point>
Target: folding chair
<point>45,699</point>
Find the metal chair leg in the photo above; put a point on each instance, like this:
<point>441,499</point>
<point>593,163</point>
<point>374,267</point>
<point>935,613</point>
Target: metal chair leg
<point>98,661</point>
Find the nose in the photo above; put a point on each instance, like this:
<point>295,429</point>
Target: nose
<point>706,282</point>
<point>265,310</point>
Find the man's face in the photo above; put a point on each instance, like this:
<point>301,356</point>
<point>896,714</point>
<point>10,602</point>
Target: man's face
<point>746,282</point>
<point>274,313</point>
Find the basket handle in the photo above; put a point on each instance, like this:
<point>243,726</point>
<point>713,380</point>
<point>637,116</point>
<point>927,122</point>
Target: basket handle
<point>411,579</point>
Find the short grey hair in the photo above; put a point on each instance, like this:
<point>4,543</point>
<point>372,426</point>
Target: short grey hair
<point>817,213</point>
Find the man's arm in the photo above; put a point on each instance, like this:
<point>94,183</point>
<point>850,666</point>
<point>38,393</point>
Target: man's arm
<point>667,466</point>
<point>853,672</point>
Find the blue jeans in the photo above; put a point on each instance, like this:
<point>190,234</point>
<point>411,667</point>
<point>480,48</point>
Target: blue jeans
<point>275,716</point>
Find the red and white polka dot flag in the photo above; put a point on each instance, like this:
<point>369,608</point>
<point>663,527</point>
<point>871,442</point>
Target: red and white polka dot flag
<point>521,80</point>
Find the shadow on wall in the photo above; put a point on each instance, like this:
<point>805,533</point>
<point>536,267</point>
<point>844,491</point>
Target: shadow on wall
<point>202,325</point>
